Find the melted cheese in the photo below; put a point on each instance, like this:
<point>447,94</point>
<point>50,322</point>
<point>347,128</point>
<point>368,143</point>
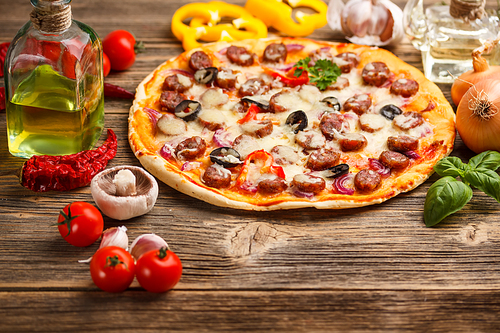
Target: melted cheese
<point>246,146</point>
<point>308,99</point>
<point>213,97</point>
<point>287,154</point>
<point>171,125</point>
<point>369,67</point>
<point>184,80</point>
<point>293,101</point>
<point>221,171</point>
<point>252,126</point>
<point>212,116</point>
<point>310,94</point>
<point>374,121</point>
<point>303,178</point>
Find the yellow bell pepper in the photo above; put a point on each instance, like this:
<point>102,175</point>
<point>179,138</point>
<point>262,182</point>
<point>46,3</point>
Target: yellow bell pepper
<point>278,14</point>
<point>204,24</point>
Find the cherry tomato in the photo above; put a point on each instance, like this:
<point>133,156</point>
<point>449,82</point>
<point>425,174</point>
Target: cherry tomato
<point>112,269</point>
<point>119,46</point>
<point>158,270</point>
<point>80,223</point>
<point>106,65</point>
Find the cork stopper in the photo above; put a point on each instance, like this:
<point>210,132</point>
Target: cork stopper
<point>51,15</point>
<point>467,10</point>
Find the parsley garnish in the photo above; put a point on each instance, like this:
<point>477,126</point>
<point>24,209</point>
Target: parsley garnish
<point>323,73</point>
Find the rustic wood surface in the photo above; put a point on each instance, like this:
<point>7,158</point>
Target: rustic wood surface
<point>365,270</point>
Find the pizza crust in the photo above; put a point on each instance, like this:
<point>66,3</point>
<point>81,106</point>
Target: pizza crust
<point>145,146</point>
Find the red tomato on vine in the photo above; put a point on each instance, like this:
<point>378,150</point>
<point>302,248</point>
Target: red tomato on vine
<point>158,271</point>
<point>120,46</point>
<point>80,223</point>
<point>112,269</point>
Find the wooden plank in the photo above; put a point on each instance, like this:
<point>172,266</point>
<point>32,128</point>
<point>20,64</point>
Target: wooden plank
<point>253,311</point>
<point>372,269</point>
<point>385,246</point>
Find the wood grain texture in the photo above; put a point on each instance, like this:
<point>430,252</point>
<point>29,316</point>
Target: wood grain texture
<point>256,311</point>
<point>372,269</point>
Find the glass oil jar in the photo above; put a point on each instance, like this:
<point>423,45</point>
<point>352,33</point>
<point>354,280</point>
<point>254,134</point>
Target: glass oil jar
<point>53,84</point>
<point>447,34</point>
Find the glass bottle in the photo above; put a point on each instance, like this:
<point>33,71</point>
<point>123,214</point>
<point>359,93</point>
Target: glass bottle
<point>447,35</point>
<point>53,84</point>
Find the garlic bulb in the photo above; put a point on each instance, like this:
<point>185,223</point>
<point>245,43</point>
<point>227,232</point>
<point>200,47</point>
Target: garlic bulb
<point>368,22</point>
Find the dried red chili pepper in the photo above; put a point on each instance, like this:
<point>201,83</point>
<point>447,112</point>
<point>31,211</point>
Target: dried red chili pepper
<point>66,172</point>
<point>110,90</point>
<point>2,98</point>
<point>3,54</point>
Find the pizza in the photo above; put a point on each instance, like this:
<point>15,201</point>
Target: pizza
<point>284,123</point>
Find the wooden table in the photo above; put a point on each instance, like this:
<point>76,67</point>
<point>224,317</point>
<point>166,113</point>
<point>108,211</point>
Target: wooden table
<point>369,269</point>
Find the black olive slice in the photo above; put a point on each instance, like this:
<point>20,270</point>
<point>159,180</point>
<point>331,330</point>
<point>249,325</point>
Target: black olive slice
<point>297,120</point>
<point>206,75</point>
<point>188,110</point>
<point>337,171</point>
<point>332,102</point>
<point>225,156</point>
<point>390,111</point>
<point>257,101</point>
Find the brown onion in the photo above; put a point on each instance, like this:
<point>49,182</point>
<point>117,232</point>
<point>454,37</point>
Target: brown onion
<point>478,119</point>
<point>481,71</point>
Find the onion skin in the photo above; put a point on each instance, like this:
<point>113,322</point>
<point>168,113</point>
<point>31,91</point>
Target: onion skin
<point>477,133</point>
<point>481,71</point>
<point>469,78</point>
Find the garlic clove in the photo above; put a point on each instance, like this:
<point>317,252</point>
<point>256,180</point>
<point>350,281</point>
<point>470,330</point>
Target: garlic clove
<point>396,16</point>
<point>380,20</point>
<point>334,14</point>
<point>145,243</point>
<point>368,22</point>
<point>356,18</point>
<point>116,236</point>
<point>387,33</point>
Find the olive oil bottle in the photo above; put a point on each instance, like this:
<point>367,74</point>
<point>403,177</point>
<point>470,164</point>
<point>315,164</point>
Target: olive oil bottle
<point>54,84</point>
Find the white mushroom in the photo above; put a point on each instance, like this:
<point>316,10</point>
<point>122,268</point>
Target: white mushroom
<point>124,192</point>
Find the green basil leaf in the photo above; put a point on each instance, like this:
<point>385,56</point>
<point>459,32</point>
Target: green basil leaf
<point>486,180</point>
<point>445,197</point>
<point>486,160</point>
<point>450,166</point>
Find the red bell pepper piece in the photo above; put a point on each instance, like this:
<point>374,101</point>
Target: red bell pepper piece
<point>251,114</point>
<point>291,81</point>
<point>278,171</point>
<point>265,164</point>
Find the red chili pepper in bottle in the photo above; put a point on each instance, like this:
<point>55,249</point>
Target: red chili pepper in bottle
<point>66,172</point>
<point>3,54</point>
<point>2,98</point>
<point>110,90</point>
